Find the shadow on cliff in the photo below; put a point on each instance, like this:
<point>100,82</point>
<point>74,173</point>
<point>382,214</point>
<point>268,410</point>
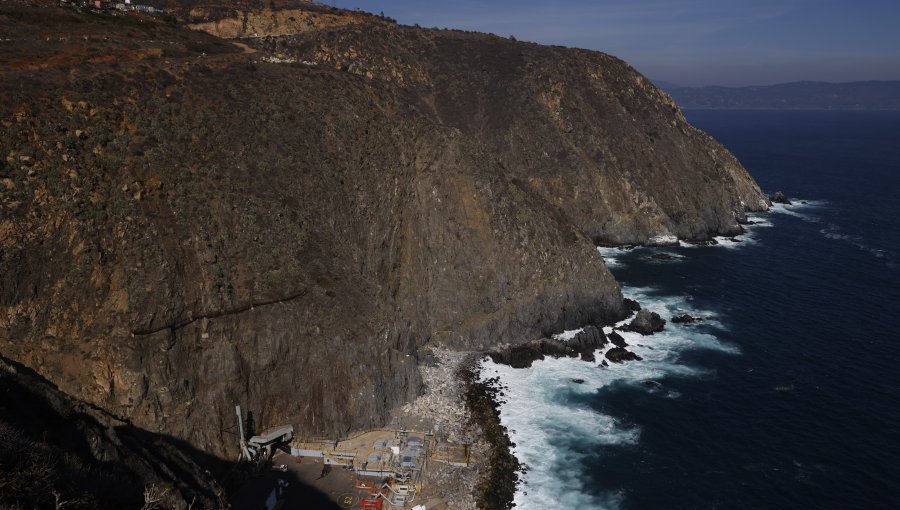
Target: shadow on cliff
<point>55,449</point>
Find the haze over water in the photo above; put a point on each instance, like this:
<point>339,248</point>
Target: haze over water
<point>787,395</point>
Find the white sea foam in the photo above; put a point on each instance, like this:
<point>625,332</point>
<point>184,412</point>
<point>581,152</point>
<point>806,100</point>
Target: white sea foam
<point>734,242</point>
<point>833,232</point>
<point>796,207</point>
<point>726,242</point>
<point>660,256</point>
<point>544,426</point>
<point>568,335</point>
<point>553,433</point>
<point>663,240</point>
<point>759,220</point>
<point>764,220</point>
<point>611,255</point>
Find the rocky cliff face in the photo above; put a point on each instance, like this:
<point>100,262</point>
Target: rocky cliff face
<point>581,129</point>
<point>186,226</point>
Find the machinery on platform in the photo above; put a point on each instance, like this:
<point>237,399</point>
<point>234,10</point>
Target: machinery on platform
<point>259,449</point>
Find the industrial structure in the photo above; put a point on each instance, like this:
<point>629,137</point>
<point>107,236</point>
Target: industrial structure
<point>389,464</point>
<point>259,449</point>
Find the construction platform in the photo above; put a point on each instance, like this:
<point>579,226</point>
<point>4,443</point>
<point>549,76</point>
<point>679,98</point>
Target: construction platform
<point>388,463</point>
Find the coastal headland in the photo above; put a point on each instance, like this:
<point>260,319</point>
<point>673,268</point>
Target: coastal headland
<point>294,208</point>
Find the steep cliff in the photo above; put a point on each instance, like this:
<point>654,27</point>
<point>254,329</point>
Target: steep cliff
<point>579,128</point>
<point>184,233</point>
<point>187,225</point>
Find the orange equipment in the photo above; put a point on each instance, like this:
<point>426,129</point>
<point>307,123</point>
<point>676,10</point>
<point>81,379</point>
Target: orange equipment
<point>375,503</point>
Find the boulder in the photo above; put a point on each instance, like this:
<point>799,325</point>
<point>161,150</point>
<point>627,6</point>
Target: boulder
<point>779,198</point>
<point>686,319</point>
<point>631,305</point>
<point>617,339</point>
<point>523,355</point>
<point>555,348</point>
<point>519,356</point>
<point>619,355</point>
<point>588,339</point>
<point>646,323</point>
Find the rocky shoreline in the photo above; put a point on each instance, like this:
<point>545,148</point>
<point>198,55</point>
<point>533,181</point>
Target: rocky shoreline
<point>460,407</point>
<point>499,478</point>
<point>441,408</point>
<point>585,342</point>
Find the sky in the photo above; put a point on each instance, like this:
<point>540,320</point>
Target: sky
<point>691,42</point>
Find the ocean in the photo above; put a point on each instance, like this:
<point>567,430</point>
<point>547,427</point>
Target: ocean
<point>787,394</point>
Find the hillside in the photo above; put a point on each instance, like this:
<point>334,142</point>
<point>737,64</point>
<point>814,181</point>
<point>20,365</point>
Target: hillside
<point>581,129</point>
<point>802,95</point>
<point>288,221</point>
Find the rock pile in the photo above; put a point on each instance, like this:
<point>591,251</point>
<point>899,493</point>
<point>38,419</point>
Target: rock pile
<point>779,198</point>
<point>583,344</point>
<point>686,319</point>
<point>646,323</point>
<point>442,408</point>
<point>619,354</point>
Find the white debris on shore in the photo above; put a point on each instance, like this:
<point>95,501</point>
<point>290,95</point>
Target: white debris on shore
<point>442,408</point>
<point>442,403</point>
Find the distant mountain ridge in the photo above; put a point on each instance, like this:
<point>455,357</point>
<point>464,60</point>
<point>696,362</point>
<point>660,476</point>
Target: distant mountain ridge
<point>800,95</point>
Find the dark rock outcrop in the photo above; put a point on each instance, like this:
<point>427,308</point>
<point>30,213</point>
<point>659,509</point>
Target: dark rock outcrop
<point>708,242</point>
<point>583,344</point>
<point>617,339</point>
<point>686,319</point>
<point>631,305</point>
<point>646,323</point>
<point>555,348</point>
<point>501,469</point>
<point>779,198</point>
<point>620,355</point>
<point>519,356</point>
<point>588,339</point>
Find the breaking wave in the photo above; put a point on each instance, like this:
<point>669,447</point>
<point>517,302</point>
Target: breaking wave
<point>554,431</point>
